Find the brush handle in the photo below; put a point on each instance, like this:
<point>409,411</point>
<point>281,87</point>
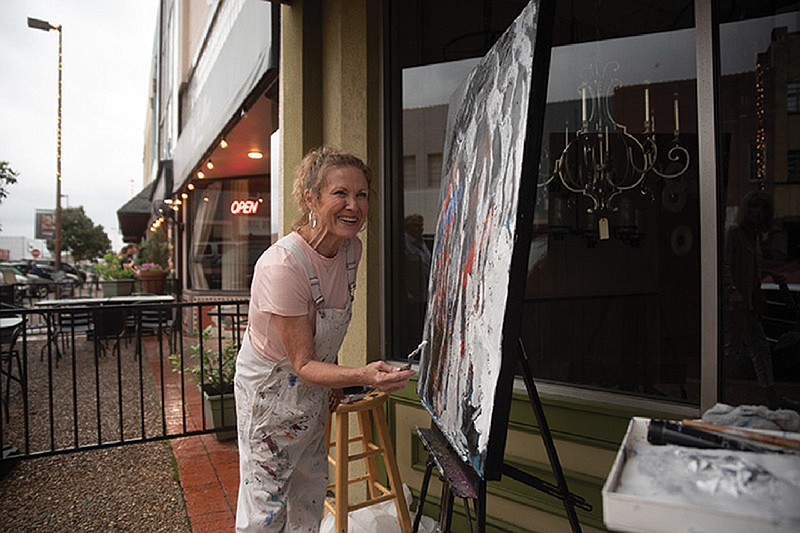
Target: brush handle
<point>775,440</point>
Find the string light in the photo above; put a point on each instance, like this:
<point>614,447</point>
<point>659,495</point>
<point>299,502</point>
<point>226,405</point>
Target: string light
<point>761,145</point>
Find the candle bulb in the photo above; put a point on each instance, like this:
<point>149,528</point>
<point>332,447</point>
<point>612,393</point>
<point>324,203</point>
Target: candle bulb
<point>583,104</point>
<point>646,104</point>
<point>600,145</point>
<point>566,135</point>
<point>677,114</point>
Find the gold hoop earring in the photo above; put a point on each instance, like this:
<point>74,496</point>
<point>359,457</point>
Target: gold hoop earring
<point>312,219</point>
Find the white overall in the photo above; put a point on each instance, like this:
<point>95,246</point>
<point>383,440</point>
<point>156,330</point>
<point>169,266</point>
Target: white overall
<point>283,457</point>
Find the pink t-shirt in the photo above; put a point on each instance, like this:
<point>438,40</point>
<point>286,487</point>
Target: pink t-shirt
<point>281,287</point>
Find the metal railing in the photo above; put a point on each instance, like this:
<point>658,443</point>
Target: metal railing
<point>78,377</point>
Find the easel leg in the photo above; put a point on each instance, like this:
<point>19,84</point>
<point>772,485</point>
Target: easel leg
<point>468,514</point>
<point>423,493</point>
<point>480,510</point>
<point>547,438</point>
<point>446,510</point>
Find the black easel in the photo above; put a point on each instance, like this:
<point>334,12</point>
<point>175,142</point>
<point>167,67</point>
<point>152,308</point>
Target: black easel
<point>459,480</point>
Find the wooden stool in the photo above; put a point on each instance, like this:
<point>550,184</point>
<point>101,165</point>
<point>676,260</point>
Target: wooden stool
<point>373,403</point>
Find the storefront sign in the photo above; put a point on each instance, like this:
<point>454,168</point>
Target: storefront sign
<point>45,224</point>
<point>244,207</point>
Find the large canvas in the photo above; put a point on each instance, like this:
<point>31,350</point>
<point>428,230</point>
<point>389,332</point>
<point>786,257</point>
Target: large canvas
<point>462,364</point>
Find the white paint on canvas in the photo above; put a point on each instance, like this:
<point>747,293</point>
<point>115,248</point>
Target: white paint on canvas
<point>474,241</point>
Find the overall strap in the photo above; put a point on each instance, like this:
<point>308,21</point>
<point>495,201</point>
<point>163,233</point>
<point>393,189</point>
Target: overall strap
<point>295,250</point>
<point>351,268</point>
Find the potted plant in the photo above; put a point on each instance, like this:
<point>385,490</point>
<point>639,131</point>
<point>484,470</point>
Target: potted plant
<point>115,278</point>
<point>213,372</point>
<point>152,276</point>
<point>153,261</point>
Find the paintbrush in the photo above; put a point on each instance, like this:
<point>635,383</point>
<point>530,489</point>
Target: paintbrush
<point>357,392</point>
<point>413,355</point>
<point>783,443</point>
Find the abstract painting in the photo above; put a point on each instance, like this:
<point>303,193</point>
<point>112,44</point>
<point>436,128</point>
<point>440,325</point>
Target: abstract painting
<point>461,365</point>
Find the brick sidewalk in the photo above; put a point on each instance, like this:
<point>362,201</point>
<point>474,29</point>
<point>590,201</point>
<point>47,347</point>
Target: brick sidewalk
<point>208,469</point>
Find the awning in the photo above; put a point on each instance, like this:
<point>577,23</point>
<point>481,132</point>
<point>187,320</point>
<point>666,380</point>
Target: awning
<point>249,50</point>
<point>135,215</point>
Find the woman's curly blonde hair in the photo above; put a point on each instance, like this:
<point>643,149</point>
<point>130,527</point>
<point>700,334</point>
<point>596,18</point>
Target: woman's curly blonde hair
<point>310,175</point>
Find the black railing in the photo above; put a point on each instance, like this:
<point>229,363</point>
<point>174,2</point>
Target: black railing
<point>110,372</point>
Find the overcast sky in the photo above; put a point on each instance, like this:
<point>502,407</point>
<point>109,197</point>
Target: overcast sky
<point>107,48</point>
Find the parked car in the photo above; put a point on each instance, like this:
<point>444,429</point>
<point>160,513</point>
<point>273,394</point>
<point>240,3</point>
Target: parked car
<point>38,286</point>
<point>76,274</point>
<point>11,276</point>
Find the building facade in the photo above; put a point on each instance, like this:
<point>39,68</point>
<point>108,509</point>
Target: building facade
<point>627,307</point>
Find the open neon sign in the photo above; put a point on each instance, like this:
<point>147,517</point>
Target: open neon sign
<point>245,207</point>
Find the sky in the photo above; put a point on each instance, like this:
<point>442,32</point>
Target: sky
<point>640,59</point>
<point>107,50</point>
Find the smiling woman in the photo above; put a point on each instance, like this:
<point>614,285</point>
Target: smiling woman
<point>287,374</point>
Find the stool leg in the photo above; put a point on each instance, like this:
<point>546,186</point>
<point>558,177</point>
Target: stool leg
<point>328,442</point>
<point>392,470</point>
<point>370,462</point>
<point>342,468</point>
<point>328,446</point>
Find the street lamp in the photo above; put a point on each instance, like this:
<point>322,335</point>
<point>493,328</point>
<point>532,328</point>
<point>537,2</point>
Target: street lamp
<point>46,26</point>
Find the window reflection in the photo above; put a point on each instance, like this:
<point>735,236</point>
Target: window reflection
<point>612,299</point>
<point>761,277</point>
<point>622,313</point>
<point>618,313</point>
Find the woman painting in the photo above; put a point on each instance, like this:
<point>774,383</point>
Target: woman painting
<point>287,376</point>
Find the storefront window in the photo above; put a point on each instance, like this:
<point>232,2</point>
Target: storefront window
<point>760,282</point>
<point>612,299</point>
<point>230,228</point>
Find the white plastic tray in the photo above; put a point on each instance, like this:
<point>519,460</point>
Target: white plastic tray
<point>657,488</point>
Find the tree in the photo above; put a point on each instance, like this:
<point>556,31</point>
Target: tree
<point>7,177</point>
<point>80,237</point>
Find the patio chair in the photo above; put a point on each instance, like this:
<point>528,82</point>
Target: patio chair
<point>72,322</point>
<point>11,328</point>
<point>157,322</point>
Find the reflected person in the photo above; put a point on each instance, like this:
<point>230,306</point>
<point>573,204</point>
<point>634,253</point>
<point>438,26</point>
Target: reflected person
<point>745,301</point>
<point>416,271</point>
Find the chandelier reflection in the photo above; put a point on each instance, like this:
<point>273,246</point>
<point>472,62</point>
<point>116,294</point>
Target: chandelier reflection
<point>602,161</point>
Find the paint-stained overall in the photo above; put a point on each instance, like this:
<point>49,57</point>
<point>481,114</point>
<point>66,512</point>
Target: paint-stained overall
<point>281,423</point>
